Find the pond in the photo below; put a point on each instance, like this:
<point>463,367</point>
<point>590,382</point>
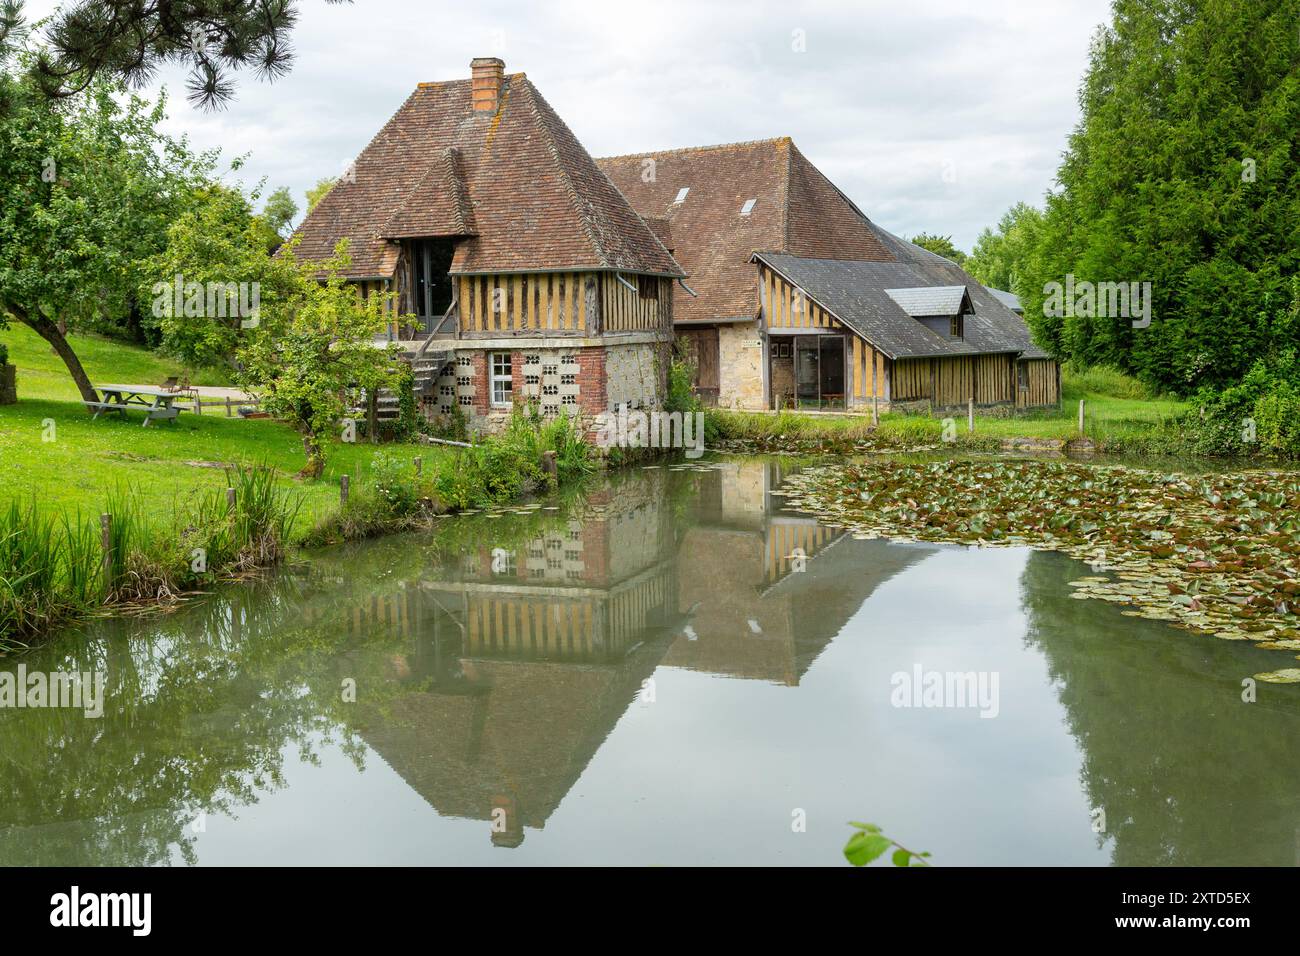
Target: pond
<point>670,668</point>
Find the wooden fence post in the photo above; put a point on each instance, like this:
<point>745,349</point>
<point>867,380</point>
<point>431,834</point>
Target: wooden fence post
<point>1081,431</point>
<point>343,490</point>
<point>549,466</point>
<point>970,416</point>
<point>106,542</point>
<point>227,406</point>
<point>230,498</point>
<point>419,466</point>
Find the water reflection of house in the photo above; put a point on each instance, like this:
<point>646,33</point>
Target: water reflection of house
<point>521,657</point>
<point>768,588</point>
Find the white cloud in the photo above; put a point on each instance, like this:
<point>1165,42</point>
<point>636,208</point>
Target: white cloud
<point>885,98</point>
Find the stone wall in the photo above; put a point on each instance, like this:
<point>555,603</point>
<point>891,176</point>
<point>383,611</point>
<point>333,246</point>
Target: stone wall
<point>740,366</point>
<point>633,376</point>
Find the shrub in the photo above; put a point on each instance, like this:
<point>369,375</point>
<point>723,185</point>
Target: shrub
<point>396,484</point>
<point>4,354</point>
<point>1258,416</point>
<point>681,395</point>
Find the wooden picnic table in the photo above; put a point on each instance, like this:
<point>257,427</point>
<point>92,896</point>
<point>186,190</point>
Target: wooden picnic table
<point>158,402</point>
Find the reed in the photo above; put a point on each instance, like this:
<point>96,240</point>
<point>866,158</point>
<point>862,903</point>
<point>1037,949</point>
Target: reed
<point>52,568</point>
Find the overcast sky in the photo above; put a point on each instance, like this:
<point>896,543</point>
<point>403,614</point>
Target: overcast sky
<point>933,115</point>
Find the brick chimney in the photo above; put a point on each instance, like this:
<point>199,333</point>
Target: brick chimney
<point>486,75</point>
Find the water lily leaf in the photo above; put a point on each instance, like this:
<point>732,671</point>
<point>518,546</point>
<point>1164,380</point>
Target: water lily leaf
<point>1287,675</point>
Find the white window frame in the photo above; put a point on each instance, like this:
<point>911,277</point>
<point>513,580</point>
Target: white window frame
<point>496,377</point>
<point>681,195</point>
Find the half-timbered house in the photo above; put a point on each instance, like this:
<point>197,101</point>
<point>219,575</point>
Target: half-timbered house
<point>521,273</point>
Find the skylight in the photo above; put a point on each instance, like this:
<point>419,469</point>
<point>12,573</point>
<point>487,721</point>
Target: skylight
<point>746,209</point>
<point>681,195</point>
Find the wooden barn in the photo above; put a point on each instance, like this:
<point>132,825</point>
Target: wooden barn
<point>797,299</point>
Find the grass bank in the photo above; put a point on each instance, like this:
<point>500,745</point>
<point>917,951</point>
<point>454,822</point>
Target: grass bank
<point>1121,418</point>
<point>52,451</point>
<point>58,566</point>
<point>166,486</point>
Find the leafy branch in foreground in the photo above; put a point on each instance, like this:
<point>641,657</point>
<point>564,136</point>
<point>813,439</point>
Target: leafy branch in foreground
<point>868,844</point>
<point>129,40</point>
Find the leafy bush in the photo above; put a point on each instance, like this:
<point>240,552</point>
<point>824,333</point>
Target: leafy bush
<point>681,395</point>
<point>396,484</point>
<point>1258,416</point>
<point>1277,421</point>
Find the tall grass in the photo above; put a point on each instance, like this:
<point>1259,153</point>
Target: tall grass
<point>1078,380</point>
<point>502,468</point>
<point>52,569</point>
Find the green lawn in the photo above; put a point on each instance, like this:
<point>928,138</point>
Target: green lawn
<point>1118,411</point>
<point>86,460</point>
<point>1105,415</point>
<point>42,374</point>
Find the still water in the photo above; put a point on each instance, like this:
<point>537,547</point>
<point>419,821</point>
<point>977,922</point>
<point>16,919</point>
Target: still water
<point>670,669</point>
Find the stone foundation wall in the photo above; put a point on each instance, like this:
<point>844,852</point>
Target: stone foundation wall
<point>581,381</point>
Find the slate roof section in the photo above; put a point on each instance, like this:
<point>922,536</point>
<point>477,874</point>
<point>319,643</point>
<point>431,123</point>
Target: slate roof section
<point>941,300</point>
<point>993,327</point>
<point>856,294</point>
<point>796,210</point>
<point>1009,299</point>
<point>533,197</point>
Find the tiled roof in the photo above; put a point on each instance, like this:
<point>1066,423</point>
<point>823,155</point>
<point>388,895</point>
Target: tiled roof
<point>519,184</point>
<point>929,300</point>
<point>796,210</point>
<point>993,327</point>
<point>438,204</point>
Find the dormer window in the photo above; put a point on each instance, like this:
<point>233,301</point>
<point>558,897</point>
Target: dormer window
<point>681,195</point>
<point>746,209</point>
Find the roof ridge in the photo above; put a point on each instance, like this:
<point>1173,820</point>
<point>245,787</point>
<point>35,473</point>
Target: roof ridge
<point>773,140</point>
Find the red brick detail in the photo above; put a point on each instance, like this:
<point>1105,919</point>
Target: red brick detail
<point>482,383</point>
<point>592,385</point>
<point>595,551</point>
<point>517,377</point>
